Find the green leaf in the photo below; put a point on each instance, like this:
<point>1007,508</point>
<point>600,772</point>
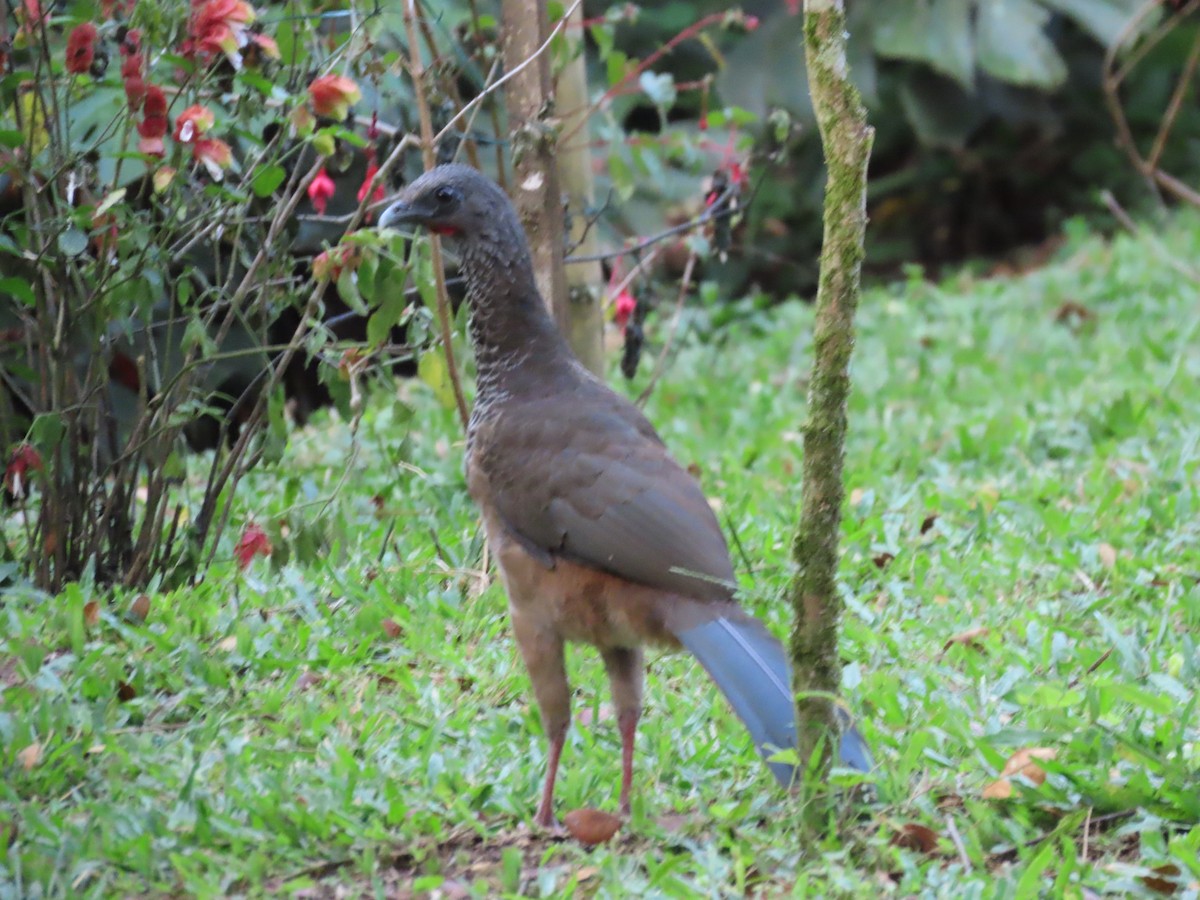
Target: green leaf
<point>10,138</point>
<point>615,67</point>
<point>1012,45</point>
<point>19,288</point>
<point>934,32</point>
<point>267,179</point>
<point>940,112</point>
<point>347,288</point>
<point>432,369</point>
<point>387,315</point>
<point>47,431</point>
<point>73,242</point>
<point>1104,19</point>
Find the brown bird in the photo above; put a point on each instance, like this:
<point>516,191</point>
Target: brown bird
<point>599,535</point>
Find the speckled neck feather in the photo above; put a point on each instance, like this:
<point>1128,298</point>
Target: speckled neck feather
<point>517,344</point>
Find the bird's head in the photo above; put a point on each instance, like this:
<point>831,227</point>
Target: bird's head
<point>452,200</point>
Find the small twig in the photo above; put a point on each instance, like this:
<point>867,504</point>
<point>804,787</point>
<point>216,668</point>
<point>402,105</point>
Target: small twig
<point>1090,669</point>
<point>715,211</point>
<point>1087,827</point>
<point>737,543</point>
<point>661,363</point>
<point>1132,227</point>
<point>956,839</point>
<point>428,142</point>
<point>492,88</point>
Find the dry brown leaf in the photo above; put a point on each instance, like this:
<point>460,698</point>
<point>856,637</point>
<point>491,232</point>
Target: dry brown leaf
<point>125,691</point>
<point>883,559</point>
<point>307,680</point>
<point>1165,879</point>
<point>856,496</point>
<point>914,836</point>
<point>227,644</point>
<point>1020,763</point>
<point>1107,554</point>
<point>968,638</point>
<point>392,628</point>
<point>139,609</point>
<point>30,757</point>
<point>91,614</point>
<point>927,522</point>
<point>591,826</point>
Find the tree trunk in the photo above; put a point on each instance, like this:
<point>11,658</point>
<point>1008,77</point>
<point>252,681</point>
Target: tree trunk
<point>585,310</point>
<point>846,139</point>
<point>536,192</point>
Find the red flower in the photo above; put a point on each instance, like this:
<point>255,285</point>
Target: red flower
<point>214,154</point>
<point>253,542</point>
<point>30,16</point>
<point>192,123</point>
<point>24,459</point>
<point>333,95</point>
<point>320,191</point>
<point>131,66</point>
<point>331,263</point>
<point>623,308</point>
<point>135,92</point>
<point>377,194</point>
<point>153,126</point>
<point>132,43</point>
<point>81,48</point>
<point>216,27</point>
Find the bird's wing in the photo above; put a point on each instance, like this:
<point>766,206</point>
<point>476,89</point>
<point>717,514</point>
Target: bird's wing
<point>587,478</point>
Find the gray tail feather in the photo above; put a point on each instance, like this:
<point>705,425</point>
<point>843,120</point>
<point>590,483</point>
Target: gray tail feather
<point>750,668</point>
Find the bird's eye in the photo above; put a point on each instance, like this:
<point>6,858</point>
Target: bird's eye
<point>443,195</point>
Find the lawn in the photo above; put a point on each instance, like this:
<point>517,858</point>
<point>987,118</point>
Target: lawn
<point>350,717</point>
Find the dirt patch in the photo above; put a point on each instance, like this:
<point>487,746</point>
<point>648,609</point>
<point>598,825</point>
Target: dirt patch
<point>507,859</point>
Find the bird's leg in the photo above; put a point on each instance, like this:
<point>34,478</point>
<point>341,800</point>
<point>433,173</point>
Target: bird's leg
<point>542,650</point>
<point>625,674</point>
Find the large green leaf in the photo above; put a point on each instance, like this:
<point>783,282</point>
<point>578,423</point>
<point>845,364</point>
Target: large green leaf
<point>1105,19</point>
<point>1011,44</point>
<point>934,32</point>
<point>939,110</point>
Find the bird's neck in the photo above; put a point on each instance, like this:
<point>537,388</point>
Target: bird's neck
<point>517,345</point>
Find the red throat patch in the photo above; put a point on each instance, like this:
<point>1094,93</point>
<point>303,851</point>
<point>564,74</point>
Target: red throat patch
<point>444,230</point>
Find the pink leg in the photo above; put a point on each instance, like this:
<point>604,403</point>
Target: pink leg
<point>545,814</point>
<point>625,673</point>
<point>627,723</point>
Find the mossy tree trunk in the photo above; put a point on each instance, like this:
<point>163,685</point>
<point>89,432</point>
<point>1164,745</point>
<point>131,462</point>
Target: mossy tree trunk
<point>585,310</point>
<point>846,139</point>
<point>535,188</point>
<point>542,168</point>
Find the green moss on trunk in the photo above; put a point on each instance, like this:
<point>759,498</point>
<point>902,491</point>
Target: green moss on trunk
<point>846,139</point>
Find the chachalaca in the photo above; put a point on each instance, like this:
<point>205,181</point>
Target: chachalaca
<point>599,535</point>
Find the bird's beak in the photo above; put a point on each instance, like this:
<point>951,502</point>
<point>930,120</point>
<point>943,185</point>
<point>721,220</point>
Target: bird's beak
<point>399,213</point>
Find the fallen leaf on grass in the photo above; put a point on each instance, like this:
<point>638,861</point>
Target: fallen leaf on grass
<point>30,756</point>
<point>227,644</point>
<point>927,523</point>
<point>969,638</point>
<point>392,628</point>
<point>883,559</point>
<point>1020,763</point>
<point>1165,879</point>
<point>591,826</point>
<point>91,614</point>
<point>139,609</point>
<point>914,836</point>
<point>1072,309</point>
<point>125,691</point>
<point>1107,554</point>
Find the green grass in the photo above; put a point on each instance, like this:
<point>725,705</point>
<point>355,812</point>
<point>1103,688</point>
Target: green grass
<point>275,737</point>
